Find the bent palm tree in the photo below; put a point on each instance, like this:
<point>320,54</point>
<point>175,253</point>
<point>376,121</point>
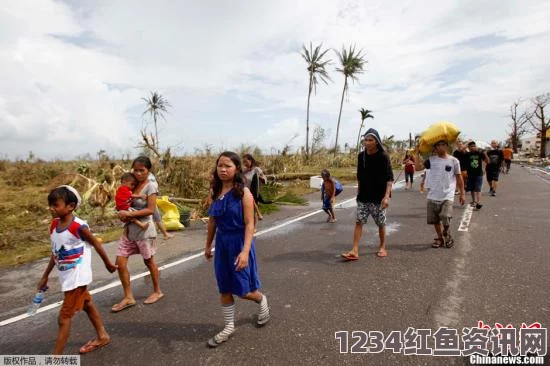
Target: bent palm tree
<point>316,69</point>
<point>352,63</point>
<point>365,113</point>
<point>157,105</point>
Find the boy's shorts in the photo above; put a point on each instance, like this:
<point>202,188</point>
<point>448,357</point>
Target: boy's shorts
<point>474,183</point>
<point>327,203</point>
<point>439,212</point>
<point>74,301</point>
<point>364,209</point>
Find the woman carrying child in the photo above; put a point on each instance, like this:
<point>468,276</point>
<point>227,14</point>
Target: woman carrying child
<point>136,240</point>
<point>232,221</point>
<point>253,175</point>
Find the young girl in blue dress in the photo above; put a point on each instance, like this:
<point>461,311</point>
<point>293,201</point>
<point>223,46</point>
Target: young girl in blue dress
<point>232,220</point>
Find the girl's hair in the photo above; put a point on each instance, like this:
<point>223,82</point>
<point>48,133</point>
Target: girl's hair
<point>325,173</point>
<point>238,181</point>
<point>252,160</point>
<point>64,194</point>
<point>143,160</point>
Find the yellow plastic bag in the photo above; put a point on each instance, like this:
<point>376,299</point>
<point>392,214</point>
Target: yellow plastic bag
<point>170,214</point>
<point>443,130</point>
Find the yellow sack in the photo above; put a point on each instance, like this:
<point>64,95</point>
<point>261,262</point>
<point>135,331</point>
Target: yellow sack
<point>170,214</point>
<point>438,131</point>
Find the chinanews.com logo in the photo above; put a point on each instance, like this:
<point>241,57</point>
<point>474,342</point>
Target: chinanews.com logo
<point>505,345</point>
<point>481,345</point>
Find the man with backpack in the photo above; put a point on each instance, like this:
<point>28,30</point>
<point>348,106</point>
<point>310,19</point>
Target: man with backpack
<point>329,190</point>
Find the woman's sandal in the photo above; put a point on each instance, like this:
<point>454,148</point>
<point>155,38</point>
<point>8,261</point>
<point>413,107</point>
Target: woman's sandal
<point>122,305</point>
<point>438,243</point>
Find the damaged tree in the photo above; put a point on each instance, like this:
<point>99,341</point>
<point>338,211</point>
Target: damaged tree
<point>518,125</point>
<point>543,124</point>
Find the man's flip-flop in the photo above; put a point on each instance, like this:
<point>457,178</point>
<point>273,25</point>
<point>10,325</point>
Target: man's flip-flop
<point>119,307</point>
<point>382,254</point>
<point>89,347</point>
<point>154,300</point>
<point>350,256</point>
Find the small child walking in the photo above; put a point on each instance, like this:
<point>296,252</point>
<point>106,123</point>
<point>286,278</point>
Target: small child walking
<point>71,239</point>
<point>328,195</point>
<point>232,221</point>
<point>124,196</point>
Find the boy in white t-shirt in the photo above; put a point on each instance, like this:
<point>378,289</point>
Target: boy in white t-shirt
<point>445,176</point>
<point>71,254</point>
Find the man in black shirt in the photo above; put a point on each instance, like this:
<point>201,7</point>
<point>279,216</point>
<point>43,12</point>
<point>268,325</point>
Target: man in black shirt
<point>496,158</point>
<point>474,166</point>
<point>375,179</point>
<point>461,153</point>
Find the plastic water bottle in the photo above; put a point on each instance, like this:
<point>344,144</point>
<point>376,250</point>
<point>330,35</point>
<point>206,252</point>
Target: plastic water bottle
<point>36,301</point>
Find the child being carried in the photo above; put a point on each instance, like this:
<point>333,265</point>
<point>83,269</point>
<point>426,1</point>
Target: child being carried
<point>124,196</point>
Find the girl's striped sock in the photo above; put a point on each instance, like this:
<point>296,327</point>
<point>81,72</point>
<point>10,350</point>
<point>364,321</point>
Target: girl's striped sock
<point>263,314</point>
<point>229,319</point>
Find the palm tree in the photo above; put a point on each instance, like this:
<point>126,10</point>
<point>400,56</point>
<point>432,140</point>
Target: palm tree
<point>352,63</point>
<point>316,69</point>
<point>157,105</point>
<point>365,113</point>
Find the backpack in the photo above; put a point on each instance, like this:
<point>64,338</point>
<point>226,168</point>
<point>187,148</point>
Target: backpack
<point>338,186</point>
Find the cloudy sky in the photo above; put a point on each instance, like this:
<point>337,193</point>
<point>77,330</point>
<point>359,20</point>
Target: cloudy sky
<point>72,73</point>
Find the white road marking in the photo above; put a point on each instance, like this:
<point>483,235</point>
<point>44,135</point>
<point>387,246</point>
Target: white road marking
<point>466,218</point>
<point>447,311</point>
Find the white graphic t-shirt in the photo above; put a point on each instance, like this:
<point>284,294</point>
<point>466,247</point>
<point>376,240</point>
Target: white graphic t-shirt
<point>72,255</point>
<point>442,178</point>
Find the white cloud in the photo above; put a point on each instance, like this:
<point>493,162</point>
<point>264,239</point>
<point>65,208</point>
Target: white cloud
<point>73,73</point>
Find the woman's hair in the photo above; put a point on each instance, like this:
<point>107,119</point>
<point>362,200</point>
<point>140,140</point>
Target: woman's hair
<point>238,181</point>
<point>143,160</point>
<point>252,160</point>
<point>325,173</point>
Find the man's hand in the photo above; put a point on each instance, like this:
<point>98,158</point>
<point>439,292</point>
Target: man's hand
<point>462,199</point>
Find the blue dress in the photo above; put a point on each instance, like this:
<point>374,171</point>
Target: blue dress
<point>227,210</point>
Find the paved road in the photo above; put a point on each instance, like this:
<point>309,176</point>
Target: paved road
<point>497,272</point>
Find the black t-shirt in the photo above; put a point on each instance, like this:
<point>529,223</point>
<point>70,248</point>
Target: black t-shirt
<point>462,159</point>
<point>373,174</point>
<point>496,157</point>
<point>474,163</point>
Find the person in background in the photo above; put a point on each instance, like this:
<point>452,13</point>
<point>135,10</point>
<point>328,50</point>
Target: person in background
<point>409,163</point>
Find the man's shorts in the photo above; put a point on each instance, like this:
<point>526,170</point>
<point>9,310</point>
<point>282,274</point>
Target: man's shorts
<point>474,183</point>
<point>74,301</point>
<point>492,174</point>
<point>373,209</point>
<point>439,212</point>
